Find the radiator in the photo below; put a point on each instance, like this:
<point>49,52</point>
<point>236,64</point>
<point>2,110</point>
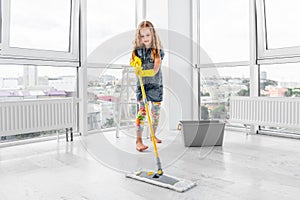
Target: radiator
<point>25,116</point>
<point>266,111</point>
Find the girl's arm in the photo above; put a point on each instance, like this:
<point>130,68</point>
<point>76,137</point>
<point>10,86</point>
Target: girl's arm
<point>157,63</point>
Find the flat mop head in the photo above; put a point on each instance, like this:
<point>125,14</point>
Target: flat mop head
<point>164,180</point>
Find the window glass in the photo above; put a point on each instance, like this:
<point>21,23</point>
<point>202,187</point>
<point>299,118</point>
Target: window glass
<point>40,24</point>
<point>106,19</point>
<point>104,93</point>
<point>282,18</point>
<point>280,80</point>
<point>35,82</point>
<point>224,29</point>
<point>157,13</point>
<point>218,85</point>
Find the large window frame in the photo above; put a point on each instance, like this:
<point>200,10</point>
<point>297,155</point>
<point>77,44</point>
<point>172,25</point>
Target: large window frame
<point>202,66</point>
<point>16,55</point>
<point>265,55</point>
<point>42,57</point>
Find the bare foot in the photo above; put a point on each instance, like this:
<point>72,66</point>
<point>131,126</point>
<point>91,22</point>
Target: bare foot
<point>157,140</point>
<point>140,146</point>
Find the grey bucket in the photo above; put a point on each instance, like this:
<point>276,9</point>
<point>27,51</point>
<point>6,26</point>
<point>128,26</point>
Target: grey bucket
<point>202,133</point>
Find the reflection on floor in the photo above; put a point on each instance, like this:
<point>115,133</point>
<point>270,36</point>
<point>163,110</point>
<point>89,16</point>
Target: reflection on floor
<point>92,167</point>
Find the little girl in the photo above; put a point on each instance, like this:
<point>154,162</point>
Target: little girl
<point>148,48</point>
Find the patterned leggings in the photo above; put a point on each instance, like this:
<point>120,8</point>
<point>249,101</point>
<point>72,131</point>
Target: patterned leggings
<point>141,116</point>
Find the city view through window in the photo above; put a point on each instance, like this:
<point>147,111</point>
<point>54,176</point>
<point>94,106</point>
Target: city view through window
<point>234,81</point>
<point>32,82</point>
<point>36,82</point>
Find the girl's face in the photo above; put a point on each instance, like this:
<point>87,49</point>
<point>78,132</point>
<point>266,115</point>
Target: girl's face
<point>146,37</point>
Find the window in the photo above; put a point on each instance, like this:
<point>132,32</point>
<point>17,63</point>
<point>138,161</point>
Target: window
<point>224,29</point>
<point>37,24</point>
<point>282,18</point>
<point>278,33</point>
<point>218,85</point>
<point>39,52</point>
<point>104,93</point>
<point>42,31</point>
<point>110,35</point>
<point>280,80</point>
<point>157,13</point>
<point>106,19</point>
<point>24,82</point>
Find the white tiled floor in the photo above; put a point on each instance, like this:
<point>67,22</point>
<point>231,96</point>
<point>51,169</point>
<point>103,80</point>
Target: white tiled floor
<point>91,168</point>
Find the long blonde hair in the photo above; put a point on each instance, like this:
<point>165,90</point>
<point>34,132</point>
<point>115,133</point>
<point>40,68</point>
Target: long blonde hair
<point>156,44</point>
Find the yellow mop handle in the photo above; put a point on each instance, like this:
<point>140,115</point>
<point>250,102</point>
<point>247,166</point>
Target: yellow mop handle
<point>160,172</point>
<point>136,62</point>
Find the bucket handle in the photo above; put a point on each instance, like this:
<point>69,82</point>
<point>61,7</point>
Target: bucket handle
<point>179,126</point>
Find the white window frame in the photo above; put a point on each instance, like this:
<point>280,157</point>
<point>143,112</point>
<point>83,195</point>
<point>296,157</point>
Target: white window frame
<point>36,56</point>
<point>267,56</point>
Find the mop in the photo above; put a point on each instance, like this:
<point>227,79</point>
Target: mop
<point>156,178</point>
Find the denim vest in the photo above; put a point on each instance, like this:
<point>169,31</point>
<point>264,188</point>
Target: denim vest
<point>148,63</point>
